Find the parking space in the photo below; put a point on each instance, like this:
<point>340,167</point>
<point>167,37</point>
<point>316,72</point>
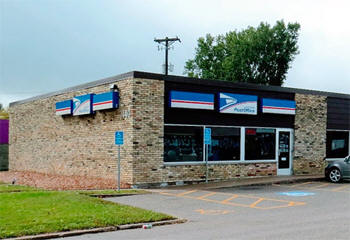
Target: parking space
<point>310,210</point>
<point>231,199</point>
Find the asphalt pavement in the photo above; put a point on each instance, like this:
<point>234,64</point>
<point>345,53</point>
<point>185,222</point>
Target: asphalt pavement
<point>308,210</point>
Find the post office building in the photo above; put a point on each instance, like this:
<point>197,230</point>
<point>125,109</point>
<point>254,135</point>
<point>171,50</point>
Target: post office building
<point>255,130</point>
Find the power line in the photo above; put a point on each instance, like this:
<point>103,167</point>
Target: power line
<point>167,42</point>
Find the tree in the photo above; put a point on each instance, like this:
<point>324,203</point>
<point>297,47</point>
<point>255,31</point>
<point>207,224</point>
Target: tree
<point>260,55</point>
<point>3,112</point>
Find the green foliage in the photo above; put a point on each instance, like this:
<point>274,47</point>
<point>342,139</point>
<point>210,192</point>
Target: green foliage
<point>4,114</point>
<point>255,55</point>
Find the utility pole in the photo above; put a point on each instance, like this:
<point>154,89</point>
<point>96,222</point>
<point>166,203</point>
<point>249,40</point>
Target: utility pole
<point>167,42</point>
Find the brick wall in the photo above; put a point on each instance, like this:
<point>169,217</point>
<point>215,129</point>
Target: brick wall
<point>42,142</point>
<point>310,134</point>
<point>218,171</point>
<point>148,112</point>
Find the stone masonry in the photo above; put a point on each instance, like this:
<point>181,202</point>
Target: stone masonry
<point>310,134</point>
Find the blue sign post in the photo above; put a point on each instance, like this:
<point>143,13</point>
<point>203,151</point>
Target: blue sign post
<point>207,135</point>
<point>207,142</point>
<point>119,140</point>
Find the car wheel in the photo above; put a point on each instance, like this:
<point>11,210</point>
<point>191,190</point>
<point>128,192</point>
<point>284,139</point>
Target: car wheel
<point>334,175</point>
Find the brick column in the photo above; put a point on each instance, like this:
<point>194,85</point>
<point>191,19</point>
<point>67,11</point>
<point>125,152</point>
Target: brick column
<point>148,130</point>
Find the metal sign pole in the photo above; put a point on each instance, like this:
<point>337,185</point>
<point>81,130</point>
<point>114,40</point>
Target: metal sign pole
<point>206,163</point>
<point>118,168</point>
<point>119,140</point>
<point>207,142</point>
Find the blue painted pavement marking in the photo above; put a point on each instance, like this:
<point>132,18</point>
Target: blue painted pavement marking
<point>296,194</point>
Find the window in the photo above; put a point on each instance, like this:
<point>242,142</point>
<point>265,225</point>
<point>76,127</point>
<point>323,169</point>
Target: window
<point>337,144</point>
<point>183,144</point>
<point>225,144</point>
<point>260,144</point>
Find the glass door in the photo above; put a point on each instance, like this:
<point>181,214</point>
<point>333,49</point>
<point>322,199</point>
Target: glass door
<point>284,151</point>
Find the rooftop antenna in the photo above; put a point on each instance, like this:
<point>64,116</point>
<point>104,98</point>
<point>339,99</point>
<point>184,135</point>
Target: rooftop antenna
<point>166,42</point>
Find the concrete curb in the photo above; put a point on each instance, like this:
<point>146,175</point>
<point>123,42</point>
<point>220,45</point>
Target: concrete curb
<point>276,181</point>
<point>298,180</point>
<point>98,230</point>
<point>115,195</point>
<point>259,181</point>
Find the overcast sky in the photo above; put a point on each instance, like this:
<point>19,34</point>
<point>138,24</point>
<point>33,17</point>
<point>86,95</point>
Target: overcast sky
<point>47,45</point>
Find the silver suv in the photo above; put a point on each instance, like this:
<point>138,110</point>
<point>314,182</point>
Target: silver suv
<point>338,170</point>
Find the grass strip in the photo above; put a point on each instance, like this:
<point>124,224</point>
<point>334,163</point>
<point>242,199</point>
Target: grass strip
<point>6,188</point>
<point>35,212</point>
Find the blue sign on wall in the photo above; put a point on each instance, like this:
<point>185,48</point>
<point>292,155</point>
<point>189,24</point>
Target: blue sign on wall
<point>64,107</point>
<point>119,137</point>
<point>82,105</point>
<point>207,135</point>
<point>194,100</point>
<point>278,106</point>
<point>106,100</point>
<point>238,103</point>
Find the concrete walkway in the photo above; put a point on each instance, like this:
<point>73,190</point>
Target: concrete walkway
<point>249,182</point>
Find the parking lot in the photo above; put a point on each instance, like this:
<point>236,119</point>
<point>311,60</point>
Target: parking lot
<point>309,210</point>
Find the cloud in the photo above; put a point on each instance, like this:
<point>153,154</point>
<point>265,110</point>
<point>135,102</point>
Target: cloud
<point>50,45</point>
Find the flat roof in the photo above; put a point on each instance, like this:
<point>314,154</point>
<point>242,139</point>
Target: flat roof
<point>182,79</point>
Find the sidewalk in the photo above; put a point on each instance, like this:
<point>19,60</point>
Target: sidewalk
<point>250,182</point>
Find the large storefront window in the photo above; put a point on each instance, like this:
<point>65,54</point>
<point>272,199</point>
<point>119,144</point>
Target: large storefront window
<point>183,144</point>
<point>225,144</point>
<point>260,144</point>
<point>337,144</point>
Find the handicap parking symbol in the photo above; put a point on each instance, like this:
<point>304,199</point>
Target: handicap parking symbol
<point>297,194</point>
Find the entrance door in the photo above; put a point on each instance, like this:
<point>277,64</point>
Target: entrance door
<point>284,153</point>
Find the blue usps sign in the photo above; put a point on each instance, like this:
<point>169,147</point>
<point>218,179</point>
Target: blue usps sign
<point>238,103</point>
<point>119,138</point>
<point>107,100</point>
<point>82,105</point>
<point>207,136</point>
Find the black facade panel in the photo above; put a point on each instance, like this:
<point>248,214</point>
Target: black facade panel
<point>338,113</point>
<point>340,120</point>
<point>214,117</point>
